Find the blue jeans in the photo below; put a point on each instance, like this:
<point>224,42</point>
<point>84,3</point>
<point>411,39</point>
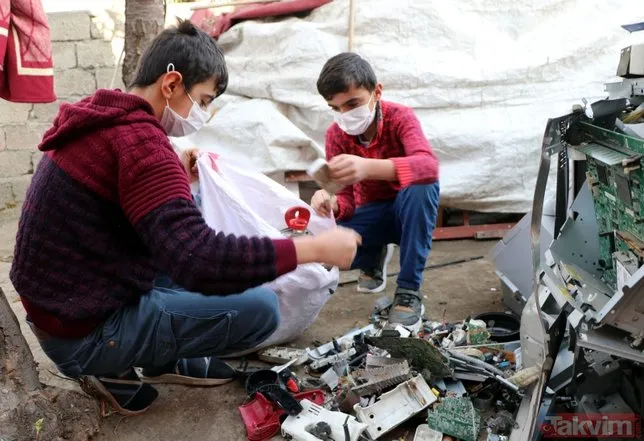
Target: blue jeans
<point>408,221</point>
<point>167,324</point>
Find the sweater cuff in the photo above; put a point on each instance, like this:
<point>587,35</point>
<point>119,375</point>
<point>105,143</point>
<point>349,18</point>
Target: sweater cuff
<point>403,171</point>
<point>345,210</point>
<point>285,256</point>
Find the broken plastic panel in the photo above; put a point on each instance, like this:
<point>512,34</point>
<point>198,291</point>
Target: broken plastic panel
<point>396,406</point>
<point>303,426</point>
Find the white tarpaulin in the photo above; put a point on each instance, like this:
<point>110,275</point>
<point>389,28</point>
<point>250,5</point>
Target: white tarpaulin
<point>482,75</point>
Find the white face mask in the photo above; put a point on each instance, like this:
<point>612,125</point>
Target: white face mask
<point>356,121</point>
<point>176,125</point>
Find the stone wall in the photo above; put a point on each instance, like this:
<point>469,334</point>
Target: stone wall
<point>86,48</point>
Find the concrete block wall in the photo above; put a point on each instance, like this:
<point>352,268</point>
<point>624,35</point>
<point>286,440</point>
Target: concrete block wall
<point>86,48</point>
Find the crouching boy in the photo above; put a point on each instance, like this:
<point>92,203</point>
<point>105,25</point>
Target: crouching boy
<point>377,149</point>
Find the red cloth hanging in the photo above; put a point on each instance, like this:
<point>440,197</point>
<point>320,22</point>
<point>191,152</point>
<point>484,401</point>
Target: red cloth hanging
<point>26,62</point>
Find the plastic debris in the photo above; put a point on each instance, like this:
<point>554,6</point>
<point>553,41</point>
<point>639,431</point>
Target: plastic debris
<point>526,377</point>
<point>424,433</point>
<point>477,332</point>
<point>340,425</point>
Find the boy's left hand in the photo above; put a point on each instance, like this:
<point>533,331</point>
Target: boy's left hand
<point>189,160</point>
<point>348,169</point>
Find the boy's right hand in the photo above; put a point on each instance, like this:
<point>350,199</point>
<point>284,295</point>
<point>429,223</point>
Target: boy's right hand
<point>324,204</point>
<point>335,247</point>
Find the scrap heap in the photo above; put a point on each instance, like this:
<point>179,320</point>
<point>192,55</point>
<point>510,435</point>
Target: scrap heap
<point>365,384</point>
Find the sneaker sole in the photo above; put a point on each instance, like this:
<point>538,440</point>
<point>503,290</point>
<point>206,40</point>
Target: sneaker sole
<point>186,381</point>
<point>415,324</point>
<point>383,285</point>
<point>93,387</point>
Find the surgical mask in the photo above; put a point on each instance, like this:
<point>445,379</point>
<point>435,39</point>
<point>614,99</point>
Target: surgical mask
<point>176,125</point>
<point>356,121</point>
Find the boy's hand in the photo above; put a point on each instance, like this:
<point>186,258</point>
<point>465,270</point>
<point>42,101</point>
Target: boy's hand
<point>335,247</point>
<point>324,204</point>
<point>348,169</point>
<point>189,160</point>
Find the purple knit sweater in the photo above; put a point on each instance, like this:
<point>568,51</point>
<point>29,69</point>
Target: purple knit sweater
<point>108,208</point>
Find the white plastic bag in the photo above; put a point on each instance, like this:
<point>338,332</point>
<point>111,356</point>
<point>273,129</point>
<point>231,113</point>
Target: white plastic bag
<point>241,201</point>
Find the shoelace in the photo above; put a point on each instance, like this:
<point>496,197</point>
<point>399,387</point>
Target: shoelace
<point>406,300</point>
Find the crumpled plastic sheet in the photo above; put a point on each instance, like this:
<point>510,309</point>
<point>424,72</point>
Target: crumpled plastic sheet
<point>482,76</point>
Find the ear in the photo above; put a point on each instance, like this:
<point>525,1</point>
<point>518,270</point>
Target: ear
<point>378,92</point>
<point>170,82</point>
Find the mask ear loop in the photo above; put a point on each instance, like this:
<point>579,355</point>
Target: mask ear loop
<point>169,69</point>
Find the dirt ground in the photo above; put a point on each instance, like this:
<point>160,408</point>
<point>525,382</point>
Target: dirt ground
<point>211,414</point>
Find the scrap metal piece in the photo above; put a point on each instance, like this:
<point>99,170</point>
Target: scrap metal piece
<point>609,340</point>
<point>379,379</point>
<point>421,354</point>
<point>625,310</point>
<point>456,417</point>
<point>396,406</point>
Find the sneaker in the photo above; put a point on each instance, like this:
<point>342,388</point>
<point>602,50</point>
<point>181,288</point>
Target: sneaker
<point>376,280</point>
<point>407,309</point>
<point>201,371</point>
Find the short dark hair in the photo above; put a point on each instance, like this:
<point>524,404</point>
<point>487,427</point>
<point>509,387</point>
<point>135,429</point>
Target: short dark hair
<point>193,53</point>
<point>343,71</point>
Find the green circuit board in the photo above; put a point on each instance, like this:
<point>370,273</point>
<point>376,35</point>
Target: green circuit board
<point>614,173</point>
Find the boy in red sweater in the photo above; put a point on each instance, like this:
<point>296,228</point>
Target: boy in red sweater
<point>377,149</point>
<point>109,209</point>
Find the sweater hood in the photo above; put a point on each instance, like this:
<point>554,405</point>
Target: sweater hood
<point>106,108</point>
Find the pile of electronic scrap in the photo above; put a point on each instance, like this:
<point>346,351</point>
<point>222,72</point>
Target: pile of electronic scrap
<point>366,384</point>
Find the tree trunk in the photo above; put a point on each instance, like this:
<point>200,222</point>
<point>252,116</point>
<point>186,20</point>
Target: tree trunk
<point>144,19</point>
<point>29,411</point>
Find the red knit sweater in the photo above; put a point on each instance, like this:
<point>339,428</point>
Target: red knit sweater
<point>399,138</point>
<point>108,208</point>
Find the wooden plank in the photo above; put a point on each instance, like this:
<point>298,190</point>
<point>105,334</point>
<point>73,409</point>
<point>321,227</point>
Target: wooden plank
<point>485,231</point>
<point>231,3</point>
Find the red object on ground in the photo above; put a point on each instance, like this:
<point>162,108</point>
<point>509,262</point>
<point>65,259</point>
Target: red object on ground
<point>26,62</point>
<point>297,218</point>
<point>262,417</point>
<point>206,20</point>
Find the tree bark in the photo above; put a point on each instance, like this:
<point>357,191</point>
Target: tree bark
<point>144,19</point>
<point>29,411</point>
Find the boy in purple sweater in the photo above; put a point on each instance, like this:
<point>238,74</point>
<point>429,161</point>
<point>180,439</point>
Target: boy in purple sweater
<point>109,208</point>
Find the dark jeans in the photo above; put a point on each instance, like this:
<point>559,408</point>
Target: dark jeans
<point>408,221</point>
<point>169,323</point>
